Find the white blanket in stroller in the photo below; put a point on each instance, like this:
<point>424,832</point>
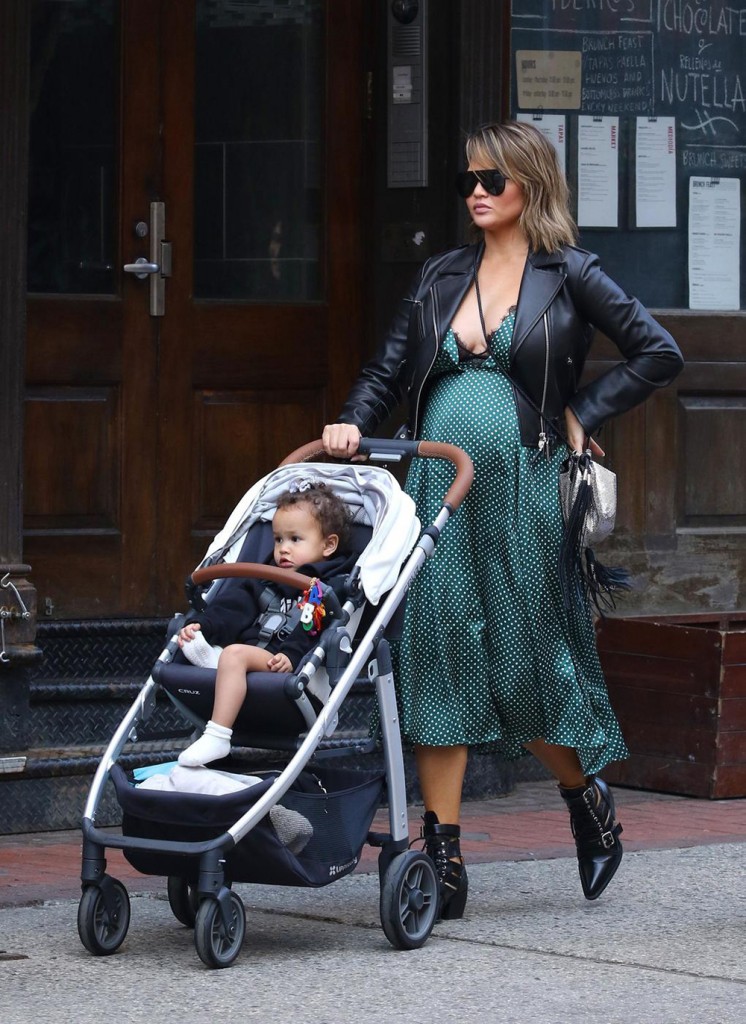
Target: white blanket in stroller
<point>293,830</point>
<point>174,778</point>
<point>371,493</point>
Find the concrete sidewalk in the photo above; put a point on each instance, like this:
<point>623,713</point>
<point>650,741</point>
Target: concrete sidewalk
<point>664,945</point>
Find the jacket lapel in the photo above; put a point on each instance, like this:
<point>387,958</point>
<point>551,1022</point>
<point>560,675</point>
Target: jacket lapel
<point>543,277</point>
<point>450,286</point>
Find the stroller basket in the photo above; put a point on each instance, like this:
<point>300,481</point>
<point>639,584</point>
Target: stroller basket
<point>339,804</point>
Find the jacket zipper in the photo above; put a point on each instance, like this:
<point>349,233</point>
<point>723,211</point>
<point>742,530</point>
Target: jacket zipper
<point>543,439</point>
<point>416,417</point>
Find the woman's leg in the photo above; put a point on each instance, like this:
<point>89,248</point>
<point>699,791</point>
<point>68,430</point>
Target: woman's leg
<point>562,762</point>
<point>592,819</point>
<point>441,773</point>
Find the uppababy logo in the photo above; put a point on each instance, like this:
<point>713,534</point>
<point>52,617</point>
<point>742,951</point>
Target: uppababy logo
<point>337,869</point>
<point>194,693</point>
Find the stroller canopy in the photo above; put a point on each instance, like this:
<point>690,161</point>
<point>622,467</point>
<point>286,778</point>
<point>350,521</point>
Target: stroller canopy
<point>373,497</point>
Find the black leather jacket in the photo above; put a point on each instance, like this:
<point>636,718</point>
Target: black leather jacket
<point>577,297</point>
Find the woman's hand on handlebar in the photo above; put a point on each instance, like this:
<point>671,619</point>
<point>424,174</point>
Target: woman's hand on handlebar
<point>341,440</point>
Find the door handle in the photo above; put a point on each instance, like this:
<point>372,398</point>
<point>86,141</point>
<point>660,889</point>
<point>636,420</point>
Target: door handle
<point>141,268</point>
<point>158,267</point>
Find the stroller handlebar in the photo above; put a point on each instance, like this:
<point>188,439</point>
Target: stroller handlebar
<point>464,468</point>
<point>251,570</point>
<point>382,450</point>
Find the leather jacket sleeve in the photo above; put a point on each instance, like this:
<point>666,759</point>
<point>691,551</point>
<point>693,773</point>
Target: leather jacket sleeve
<point>652,357</point>
<point>381,385</point>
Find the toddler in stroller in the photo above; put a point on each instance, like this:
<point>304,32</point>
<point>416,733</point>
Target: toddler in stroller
<point>274,630</point>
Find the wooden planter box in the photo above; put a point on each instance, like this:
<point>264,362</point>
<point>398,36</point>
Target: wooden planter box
<point>678,686</point>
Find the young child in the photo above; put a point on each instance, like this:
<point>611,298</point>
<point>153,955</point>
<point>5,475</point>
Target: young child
<point>310,528</point>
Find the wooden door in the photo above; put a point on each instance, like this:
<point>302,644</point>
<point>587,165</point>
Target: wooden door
<point>242,122</point>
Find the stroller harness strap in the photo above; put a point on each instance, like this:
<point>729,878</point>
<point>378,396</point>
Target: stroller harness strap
<point>276,620</point>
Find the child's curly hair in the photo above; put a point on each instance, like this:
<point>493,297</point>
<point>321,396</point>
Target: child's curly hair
<point>329,511</point>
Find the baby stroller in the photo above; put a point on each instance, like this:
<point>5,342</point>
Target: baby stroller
<point>203,842</point>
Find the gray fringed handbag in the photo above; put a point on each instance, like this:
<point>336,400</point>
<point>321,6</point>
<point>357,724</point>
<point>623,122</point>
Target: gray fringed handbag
<point>578,472</point>
<point>587,493</point>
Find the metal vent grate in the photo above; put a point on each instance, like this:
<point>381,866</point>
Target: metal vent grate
<point>406,41</point>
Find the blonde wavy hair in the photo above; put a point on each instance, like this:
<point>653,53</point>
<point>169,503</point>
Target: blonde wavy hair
<point>525,156</point>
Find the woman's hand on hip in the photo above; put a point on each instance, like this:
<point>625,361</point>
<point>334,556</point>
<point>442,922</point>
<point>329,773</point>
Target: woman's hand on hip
<point>340,440</point>
<point>577,438</point>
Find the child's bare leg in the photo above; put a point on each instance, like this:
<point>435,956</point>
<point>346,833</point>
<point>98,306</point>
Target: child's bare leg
<point>230,693</point>
<point>230,684</point>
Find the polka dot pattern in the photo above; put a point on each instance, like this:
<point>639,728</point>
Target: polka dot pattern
<point>489,656</point>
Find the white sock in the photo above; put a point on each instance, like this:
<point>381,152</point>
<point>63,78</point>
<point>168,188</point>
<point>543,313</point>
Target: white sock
<point>214,743</point>
<point>200,653</point>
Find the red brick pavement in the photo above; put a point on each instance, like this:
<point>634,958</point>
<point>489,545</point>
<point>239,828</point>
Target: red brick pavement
<point>530,823</point>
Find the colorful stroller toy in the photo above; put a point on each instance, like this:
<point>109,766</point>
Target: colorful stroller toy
<point>304,823</point>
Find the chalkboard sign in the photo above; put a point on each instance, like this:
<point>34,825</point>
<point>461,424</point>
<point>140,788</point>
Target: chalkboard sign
<point>679,59</point>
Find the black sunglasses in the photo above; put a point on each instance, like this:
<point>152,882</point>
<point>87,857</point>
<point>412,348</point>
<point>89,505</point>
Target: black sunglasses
<point>492,181</point>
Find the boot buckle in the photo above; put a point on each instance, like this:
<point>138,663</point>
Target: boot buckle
<point>607,840</point>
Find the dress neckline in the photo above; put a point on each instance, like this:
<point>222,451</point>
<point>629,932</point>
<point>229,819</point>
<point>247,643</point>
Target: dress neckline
<point>512,310</point>
<point>468,353</point>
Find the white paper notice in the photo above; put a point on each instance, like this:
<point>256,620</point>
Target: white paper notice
<point>655,172</point>
<point>598,172</point>
<point>553,126</point>
<point>714,243</point>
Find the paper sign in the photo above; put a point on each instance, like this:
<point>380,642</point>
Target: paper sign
<point>402,83</point>
<point>714,243</point>
<point>548,79</point>
<point>655,172</point>
<point>598,172</point>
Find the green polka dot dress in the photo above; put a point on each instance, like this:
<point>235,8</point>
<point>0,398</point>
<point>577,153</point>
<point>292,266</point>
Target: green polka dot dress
<point>489,655</point>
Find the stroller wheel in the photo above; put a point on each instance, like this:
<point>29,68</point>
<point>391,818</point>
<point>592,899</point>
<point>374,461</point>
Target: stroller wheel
<point>409,900</point>
<point>219,937</point>
<point>183,899</point>
<point>103,917</point>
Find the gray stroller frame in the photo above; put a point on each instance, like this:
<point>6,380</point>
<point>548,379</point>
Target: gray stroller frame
<point>409,902</point>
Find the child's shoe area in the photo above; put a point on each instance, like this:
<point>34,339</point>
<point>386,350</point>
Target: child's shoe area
<point>213,745</point>
<point>200,653</point>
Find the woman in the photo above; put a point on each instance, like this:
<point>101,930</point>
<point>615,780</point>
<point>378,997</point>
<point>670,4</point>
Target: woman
<point>489,346</point>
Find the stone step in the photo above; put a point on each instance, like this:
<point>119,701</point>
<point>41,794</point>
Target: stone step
<point>67,712</point>
<point>45,789</point>
<point>99,648</point>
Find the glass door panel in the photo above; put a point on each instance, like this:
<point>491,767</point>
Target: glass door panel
<point>258,145</point>
<point>72,241</point>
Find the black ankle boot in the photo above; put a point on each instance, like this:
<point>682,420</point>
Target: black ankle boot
<point>596,834</point>
<point>441,846</point>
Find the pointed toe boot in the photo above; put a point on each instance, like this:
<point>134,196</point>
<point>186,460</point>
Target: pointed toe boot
<point>596,834</point>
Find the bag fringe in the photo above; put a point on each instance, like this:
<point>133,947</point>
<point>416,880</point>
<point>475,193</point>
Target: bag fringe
<point>571,549</point>
<point>585,580</point>
<point>601,582</point>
